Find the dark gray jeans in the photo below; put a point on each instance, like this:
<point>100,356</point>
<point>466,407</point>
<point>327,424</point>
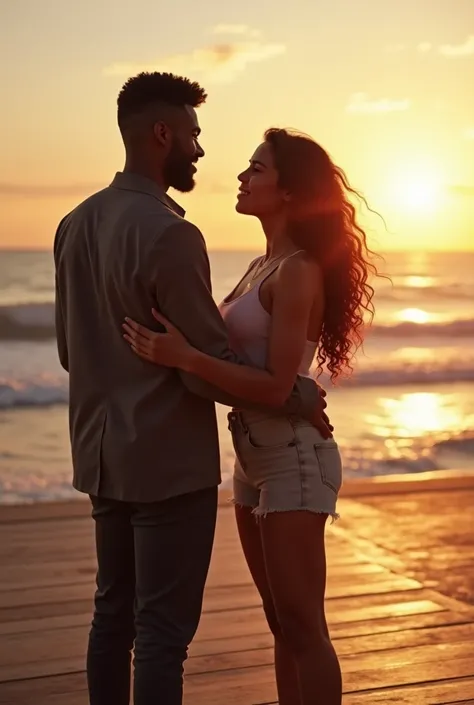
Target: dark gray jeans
<point>153,561</point>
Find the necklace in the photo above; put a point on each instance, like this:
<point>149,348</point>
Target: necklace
<point>262,267</point>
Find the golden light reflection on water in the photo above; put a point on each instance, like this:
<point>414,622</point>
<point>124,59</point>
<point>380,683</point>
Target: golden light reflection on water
<point>414,315</point>
<point>418,281</point>
<point>417,355</point>
<point>417,414</point>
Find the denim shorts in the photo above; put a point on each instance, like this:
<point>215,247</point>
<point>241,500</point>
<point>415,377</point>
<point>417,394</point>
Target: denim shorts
<point>283,464</point>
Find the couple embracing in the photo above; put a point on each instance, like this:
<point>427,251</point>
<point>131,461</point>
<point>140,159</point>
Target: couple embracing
<point>148,353</point>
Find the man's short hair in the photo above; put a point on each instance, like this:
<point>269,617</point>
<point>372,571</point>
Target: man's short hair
<point>148,89</point>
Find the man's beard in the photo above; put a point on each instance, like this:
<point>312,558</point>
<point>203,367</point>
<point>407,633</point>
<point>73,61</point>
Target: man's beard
<point>178,172</point>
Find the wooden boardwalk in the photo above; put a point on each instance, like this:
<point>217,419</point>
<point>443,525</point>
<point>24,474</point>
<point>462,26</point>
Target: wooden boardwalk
<point>400,603</point>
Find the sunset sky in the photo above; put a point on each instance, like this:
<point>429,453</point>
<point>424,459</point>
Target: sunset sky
<point>386,87</point>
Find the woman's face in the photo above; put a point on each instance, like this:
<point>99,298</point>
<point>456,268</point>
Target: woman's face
<point>259,193</point>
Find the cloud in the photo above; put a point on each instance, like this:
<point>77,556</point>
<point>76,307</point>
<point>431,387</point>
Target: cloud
<point>236,29</point>
<point>361,103</point>
<point>48,190</point>
<point>218,63</point>
<point>456,50</point>
<point>424,47</point>
<point>447,50</point>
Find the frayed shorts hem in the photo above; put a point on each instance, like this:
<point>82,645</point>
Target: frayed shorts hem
<point>263,511</point>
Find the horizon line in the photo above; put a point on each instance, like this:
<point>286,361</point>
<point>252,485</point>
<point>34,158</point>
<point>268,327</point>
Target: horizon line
<point>38,250</point>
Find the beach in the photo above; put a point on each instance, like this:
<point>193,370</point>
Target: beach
<point>408,408</point>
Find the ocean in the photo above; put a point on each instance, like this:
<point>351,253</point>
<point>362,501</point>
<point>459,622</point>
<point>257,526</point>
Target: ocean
<point>408,407</point>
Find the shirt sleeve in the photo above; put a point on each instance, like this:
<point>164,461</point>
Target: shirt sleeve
<point>60,324</point>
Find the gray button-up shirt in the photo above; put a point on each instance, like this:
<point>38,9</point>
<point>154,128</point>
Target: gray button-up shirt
<point>140,432</point>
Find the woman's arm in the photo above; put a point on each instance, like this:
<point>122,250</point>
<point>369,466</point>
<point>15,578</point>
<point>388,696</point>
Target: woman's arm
<point>296,284</point>
<point>180,283</point>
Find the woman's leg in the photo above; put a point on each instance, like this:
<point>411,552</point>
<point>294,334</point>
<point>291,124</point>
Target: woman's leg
<point>285,665</point>
<point>295,562</point>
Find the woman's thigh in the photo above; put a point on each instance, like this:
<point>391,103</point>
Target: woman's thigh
<point>295,564</point>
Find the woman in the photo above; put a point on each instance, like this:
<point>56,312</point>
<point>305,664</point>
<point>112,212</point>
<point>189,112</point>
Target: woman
<point>304,299</point>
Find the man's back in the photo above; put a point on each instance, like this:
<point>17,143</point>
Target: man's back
<point>137,433</point>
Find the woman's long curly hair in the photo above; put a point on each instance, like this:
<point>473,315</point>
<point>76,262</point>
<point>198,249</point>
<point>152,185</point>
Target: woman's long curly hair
<point>323,223</point>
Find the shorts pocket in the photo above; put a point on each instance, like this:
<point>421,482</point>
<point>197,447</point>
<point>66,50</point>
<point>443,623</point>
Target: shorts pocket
<point>271,434</point>
<point>330,466</point>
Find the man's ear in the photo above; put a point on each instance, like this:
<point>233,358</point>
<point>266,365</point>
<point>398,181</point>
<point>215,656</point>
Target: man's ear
<point>162,133</point>
<point>287,196</point>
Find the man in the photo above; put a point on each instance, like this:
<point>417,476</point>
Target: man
<point>144,438</point>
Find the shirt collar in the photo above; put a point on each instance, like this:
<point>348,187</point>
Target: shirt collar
<point>142,184</point>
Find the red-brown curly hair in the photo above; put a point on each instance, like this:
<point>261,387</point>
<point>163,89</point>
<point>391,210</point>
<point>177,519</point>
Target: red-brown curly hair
<point>323,223</point>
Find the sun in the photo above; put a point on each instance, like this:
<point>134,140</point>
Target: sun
<point>418,193</point>
<point>417,189</point>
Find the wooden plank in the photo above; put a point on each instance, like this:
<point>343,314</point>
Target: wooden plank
<point>263,677</point>
<point>351,608</point>
<point>244,685</point>
<point>51,550</point>
<point>252,621</point>
<point>345,645</point>
<point>83,527</point>
<point>44,511</point>
<point>66,509</point>
<point>461,689</point>
<point>24,575</point>
<point>221,660</point>
<point>48,545</point>
<point>239,594</point>
<point>40,651</point>
<point>24,691</point>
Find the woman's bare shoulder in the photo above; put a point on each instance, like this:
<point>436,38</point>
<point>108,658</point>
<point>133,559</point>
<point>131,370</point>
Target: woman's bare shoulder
<point>300,269</point>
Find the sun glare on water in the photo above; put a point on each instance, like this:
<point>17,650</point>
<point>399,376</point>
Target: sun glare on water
<point>418,282</point>
<point>419,413</point>
<point>414,315</point>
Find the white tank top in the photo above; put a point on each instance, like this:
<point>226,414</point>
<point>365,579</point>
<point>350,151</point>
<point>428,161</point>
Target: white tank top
<point>248,325</point>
